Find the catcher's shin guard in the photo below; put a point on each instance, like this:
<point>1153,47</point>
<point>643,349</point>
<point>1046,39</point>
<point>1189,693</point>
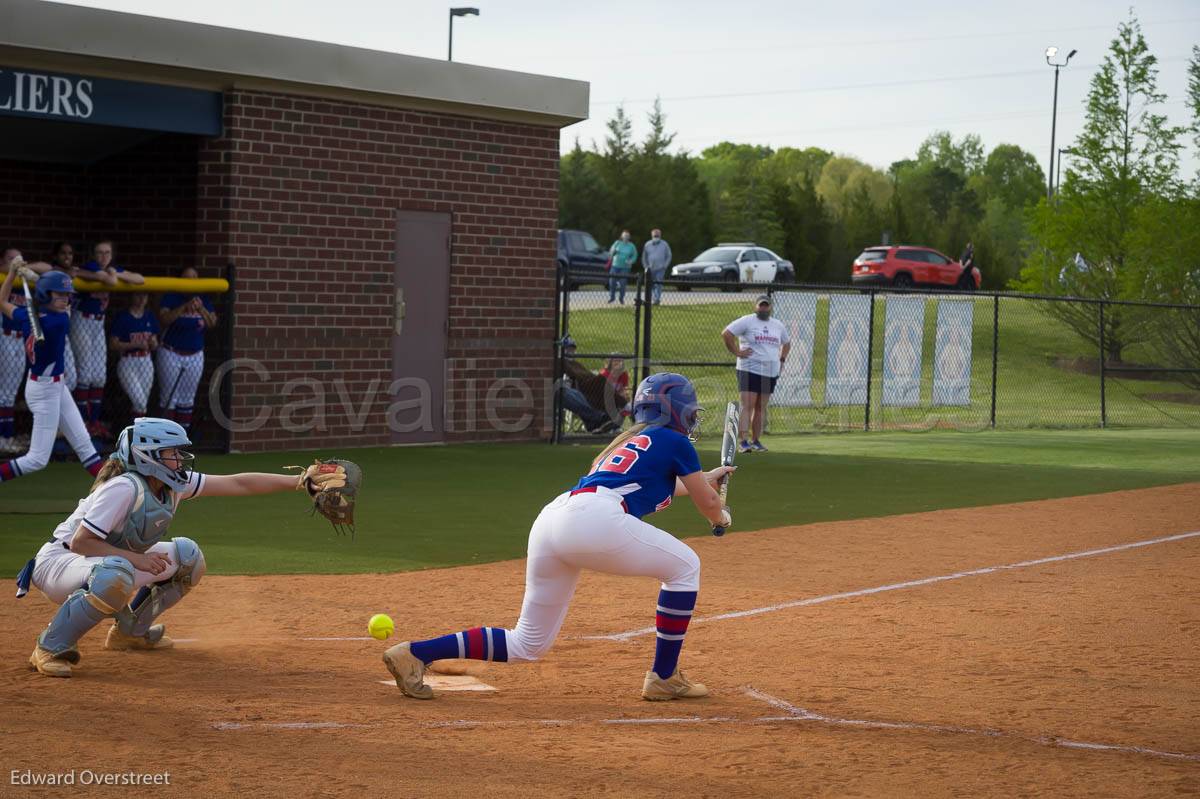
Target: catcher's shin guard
<point>108,589</point>
<point>136,622</point>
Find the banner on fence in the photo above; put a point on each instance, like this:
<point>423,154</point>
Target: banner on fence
<point>798,312</point>
<point>903,334</point>
<point>952,353</point>
<point>847,366</point>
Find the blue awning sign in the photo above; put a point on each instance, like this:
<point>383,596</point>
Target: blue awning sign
<point>105,101</point>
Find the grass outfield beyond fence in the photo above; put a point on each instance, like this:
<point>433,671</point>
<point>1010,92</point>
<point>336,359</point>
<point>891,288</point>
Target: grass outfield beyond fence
<point>424,507</point>
<point>1046,375</point>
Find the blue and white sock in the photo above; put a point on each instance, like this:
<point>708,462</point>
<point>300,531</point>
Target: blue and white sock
<point>671,623</point>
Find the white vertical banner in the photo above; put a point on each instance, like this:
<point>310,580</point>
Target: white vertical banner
<point>952,353</point>
<point>903,335</point>
<point>798,312</point>
<point>848,360</point>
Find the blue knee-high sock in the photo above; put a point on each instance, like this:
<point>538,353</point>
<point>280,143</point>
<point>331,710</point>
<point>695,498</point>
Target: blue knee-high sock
<point>671,623</point>
<point>477,643</point>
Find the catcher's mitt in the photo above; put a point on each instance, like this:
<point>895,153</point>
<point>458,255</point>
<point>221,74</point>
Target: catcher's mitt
<point>333,485</point>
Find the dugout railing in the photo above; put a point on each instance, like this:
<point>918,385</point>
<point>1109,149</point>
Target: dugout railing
<point>902,359</point>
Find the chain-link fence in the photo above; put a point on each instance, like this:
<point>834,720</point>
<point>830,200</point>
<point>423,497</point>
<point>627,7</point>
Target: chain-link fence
<point>882,359</point>
<point>131,353</point>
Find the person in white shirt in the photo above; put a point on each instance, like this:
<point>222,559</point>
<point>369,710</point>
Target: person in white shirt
<point>761,345</point>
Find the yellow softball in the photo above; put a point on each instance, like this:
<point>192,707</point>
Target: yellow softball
<point>381,626</point>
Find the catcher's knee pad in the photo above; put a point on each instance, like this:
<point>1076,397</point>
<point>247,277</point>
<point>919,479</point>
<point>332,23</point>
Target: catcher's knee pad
<point>153,600</point>
<point>191,562</point>
<point>108,589</point>
<point>687,577</point>
<point>110,585</point>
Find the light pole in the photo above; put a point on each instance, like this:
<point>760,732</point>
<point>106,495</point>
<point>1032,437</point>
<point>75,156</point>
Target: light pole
<point>1050,53</point>
<point>458,12</point>
<point>1058,169</point>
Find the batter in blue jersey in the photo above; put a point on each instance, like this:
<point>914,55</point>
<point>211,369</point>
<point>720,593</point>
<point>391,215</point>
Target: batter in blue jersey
<point>597,525</point>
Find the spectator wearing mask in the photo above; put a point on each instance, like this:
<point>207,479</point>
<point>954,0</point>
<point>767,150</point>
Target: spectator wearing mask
<point>656,257</point>
<point>622,256</point>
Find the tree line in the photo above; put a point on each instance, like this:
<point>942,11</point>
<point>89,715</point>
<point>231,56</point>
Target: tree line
<point>1123,225</point>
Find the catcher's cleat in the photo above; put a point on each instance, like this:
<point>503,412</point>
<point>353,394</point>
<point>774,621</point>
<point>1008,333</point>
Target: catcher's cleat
<point>408,670</point>
<point>53,665</point>
<point>656,689</point>
<point>155,639</point>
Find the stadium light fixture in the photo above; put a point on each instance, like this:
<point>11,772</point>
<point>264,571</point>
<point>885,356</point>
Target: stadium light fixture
<point>461,11</point>
<point>1051,52</point>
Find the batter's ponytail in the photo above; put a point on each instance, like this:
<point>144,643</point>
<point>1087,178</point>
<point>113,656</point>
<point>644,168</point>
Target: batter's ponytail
<point>111,468</point>
<point>616,444</point>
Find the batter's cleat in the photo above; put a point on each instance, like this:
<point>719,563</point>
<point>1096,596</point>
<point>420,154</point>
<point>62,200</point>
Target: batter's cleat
<point>656,689</point>
<point>53,665</point>
<point>758,446</point>
<point>408,670</point>
<point>155,639</point>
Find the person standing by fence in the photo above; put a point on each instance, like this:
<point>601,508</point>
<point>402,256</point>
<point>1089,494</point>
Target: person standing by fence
<point>656,257</point>
<point>622,256</point>
<point>761,345</point>
<point>134,335</point>
<point>180,359</point>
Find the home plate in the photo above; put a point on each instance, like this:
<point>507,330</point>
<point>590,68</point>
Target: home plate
<point>451,682</point>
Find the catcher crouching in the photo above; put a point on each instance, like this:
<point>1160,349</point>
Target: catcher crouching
<point>112,559</point>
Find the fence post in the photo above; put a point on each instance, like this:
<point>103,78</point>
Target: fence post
<point>639,308</point>
<point>227,322</point>
<point>563,295</point>
<point>870,349</point>
<point>995,350</point>
<point>647,327</point>
<point>1103,408</point>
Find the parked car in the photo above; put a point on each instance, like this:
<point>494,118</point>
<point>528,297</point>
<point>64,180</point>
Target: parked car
<point>905,266</point>
<point>578,250</point>
<point>737,262</point>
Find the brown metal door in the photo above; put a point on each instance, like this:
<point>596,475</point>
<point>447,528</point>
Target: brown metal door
<point>419,333</point>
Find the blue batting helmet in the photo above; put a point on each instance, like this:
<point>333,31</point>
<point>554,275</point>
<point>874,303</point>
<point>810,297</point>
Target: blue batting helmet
<point>52,281</point>
<point>140,445</point>
<point>668,399</point>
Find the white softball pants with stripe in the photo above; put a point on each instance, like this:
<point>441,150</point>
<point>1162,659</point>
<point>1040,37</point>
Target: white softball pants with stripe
<point>178,377</point>
<point>90,349</point>
<point>590,531</point>
<point>59,572</point>
<point>12,368</point>
<point>136,374</point>
<point>53,410</point>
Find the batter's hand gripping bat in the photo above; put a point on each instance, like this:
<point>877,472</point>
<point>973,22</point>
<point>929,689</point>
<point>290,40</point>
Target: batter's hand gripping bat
<point>729,440</point>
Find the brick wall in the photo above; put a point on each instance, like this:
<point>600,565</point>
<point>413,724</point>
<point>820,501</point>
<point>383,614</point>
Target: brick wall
<point>143,198</point>
<point>296,184</point>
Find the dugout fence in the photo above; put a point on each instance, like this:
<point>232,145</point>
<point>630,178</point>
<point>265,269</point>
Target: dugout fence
<point>896,359</point>
<point>116,408</point>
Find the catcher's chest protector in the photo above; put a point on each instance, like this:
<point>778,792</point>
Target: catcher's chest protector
<point>148,519</point>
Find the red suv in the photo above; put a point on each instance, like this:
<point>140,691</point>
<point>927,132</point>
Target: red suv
<point>904,267</point>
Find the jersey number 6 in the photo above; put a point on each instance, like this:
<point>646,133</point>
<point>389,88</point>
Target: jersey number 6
<point>622,460</point>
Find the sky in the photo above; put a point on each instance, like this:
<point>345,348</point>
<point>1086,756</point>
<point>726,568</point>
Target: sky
<point>867,78</point>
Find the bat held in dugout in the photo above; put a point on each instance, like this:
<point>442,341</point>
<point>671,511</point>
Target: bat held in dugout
<point>729,441</point>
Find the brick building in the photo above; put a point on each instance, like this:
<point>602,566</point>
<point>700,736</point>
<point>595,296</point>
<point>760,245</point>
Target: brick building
<point>391,219</point>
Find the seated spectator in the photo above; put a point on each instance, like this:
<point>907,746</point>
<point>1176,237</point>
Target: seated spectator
<point>134,336</point>
<point>614,372</point>
<point>603,401</point>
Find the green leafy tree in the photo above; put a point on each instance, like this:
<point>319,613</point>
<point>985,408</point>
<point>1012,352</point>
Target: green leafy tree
<point>1125,157</point>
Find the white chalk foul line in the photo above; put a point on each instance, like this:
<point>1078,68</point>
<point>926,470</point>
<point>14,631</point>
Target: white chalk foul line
<point>879,589</point>
<point>800,714</point>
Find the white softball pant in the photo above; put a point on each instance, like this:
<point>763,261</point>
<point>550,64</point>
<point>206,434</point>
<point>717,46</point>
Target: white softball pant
<point>590,531</point>
<point>136,373</point>
<point>53,410</point>
<point>12,368</point>
<point>178,377</point>
<point>70,377</point>
<point>59,572</point>
<point>90,349</point>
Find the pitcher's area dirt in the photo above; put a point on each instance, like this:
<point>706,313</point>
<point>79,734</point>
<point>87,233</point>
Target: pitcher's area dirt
<point>998,683</point>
